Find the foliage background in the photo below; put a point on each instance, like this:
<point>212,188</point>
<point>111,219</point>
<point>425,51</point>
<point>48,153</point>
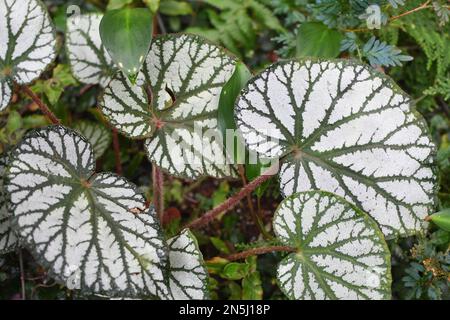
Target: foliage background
<point>261,32</point>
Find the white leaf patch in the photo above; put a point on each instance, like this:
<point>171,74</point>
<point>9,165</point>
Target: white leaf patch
<point>27,44</point>
<point>176,105</point>
<point>91,231</point>
<point>98,136</point>
<point>188,277</point>
<point>90,62</point>
<point>8,238</point>
<point>341,254</point>
<point>343,128</point>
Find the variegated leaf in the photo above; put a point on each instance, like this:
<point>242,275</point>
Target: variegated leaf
<point>91,231</point>
<point>341,253</point>
<point>90,62</point>
<point>344,128</point>
<point>188,277</point>
<point>27,44</point>
<point>175,106</point>
<point>98,136</point>
<point>8,238</point>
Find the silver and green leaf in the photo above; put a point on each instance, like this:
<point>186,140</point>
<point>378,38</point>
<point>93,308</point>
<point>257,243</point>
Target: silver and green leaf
<point>92,231</point>
<point>27,44</point>
<point>175,105</point>
<point>341,252</point>
<point>8,238</point>
<point>97,134</point>
<point>89,60</point>
<point>342,127</point>
<point>188,277</point>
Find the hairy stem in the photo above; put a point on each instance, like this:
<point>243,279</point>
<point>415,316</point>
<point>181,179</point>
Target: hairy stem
<point>233,201</point>
<point>116,146</point>
<point>44,108</point>
<point>259,251</point>
<point>158,191</point>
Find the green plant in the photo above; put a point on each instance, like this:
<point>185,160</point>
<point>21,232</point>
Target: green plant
<point>355,161</point>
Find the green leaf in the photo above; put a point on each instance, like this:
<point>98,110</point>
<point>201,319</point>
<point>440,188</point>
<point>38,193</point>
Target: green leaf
<point>153,5</point>
<point>220,245</point>
<point>117,4</point>
<point>98,136</point>
<point>92,231</point>
<point>341,252</point>
<point>89,60</point>
<point>8,238</point>
<point>344,128</point>
<point>441,219</point>
<point>315,39</point>
<point>188,277</point>
<point>252,287</point>
<point>127,36</point>
<point>235,271</point>
<point>226,121</point>
<point>183,77</point>
<point>175,8</point>
<point>27,44</point>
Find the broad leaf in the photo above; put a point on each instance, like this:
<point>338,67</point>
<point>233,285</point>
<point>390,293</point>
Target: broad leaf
<point>92,231</point>
<point>315,39</point>
<point>188,277</point>
<point>127,35</point>
<point>8,238</point>
<point>98,136</point>
<point>344,128</point>
<point>184,76</point>
<point>27,44</point>
<point>441,219</point>
<point>341,253</point>
<point>90,62</point>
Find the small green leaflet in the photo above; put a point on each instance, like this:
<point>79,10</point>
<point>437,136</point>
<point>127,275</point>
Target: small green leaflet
<point>341,253</point>
<point>182,78</point>
<point>127,35</point>
<point>97,134</point>
<point>27,44</point>
<point>188,277</point>
<point>8,239</point>
<point>314,39</point>
<point>92,231</point>
<point>342,127</point>
<point>89,60</point>
<point>441,219</point>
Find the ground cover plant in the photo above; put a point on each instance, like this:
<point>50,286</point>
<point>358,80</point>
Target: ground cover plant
<point>263,149</point>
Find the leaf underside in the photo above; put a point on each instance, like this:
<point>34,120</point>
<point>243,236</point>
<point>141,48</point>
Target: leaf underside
<point>27,44</point>
<point>89,60</point>
<point>185,75</point>
<point>343,128</point>
<point>341,254</point>
<point>8,238</point>
<point>91,231</point>
<point>188,277</point>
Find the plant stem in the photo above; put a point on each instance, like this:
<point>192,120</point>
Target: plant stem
<point>259,251</point>
<point>116,146</point>
<point>158,191</point>
<point>22,275</point>
<point>255,216</point>
<point>233,201</point>
<point>44,108</point>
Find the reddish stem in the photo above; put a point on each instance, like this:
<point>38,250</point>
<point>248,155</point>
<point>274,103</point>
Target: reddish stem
<point>233,201</point>
<point>259,251</point>
<point>158,191</point>
<point>116,146</point>
<point>44,108</point>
